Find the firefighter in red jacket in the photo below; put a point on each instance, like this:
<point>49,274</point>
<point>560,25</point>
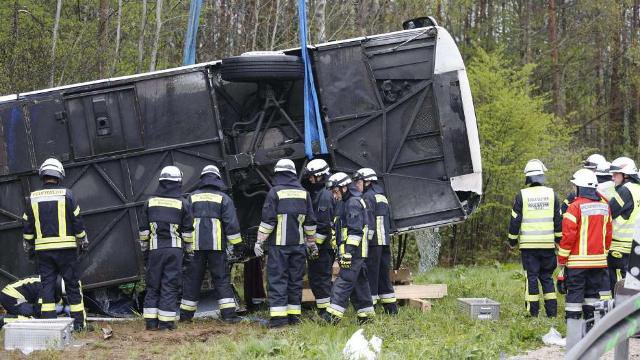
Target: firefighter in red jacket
<point>586,237</point>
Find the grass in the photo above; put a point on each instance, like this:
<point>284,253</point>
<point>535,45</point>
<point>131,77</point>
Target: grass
<point>443,332</point>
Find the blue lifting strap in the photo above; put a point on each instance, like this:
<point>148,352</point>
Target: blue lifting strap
<point>189,54</point>
<point>312,119</point>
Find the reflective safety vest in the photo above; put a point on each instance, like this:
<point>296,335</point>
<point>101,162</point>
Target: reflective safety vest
<point>537,229</point>
<point>623,230</point>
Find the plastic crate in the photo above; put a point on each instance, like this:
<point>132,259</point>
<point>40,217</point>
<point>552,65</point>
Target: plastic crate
<point>38,334</point>
<point>480,308</point>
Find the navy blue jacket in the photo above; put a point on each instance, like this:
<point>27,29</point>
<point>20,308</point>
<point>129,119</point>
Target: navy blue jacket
<point>215,221</point>
<point>324,207</point>
<point>379,215</point>
<point>353,221</point>
<point>287,213</point>
<point>166,218</point>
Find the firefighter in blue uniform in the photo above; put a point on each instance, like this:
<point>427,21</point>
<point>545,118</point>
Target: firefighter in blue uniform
<point>352,282</point>
<point>288,224</point>
<point>216,232</point>
<point>379,257</point>
<point>21,299</point>
<point>319,269</point>
<point>166,226</point>
<point>54,232</point>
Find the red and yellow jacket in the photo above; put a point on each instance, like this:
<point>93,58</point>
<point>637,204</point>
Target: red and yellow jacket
<point>586,234</point>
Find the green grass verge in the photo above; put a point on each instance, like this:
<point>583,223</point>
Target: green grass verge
<point>444,332</point>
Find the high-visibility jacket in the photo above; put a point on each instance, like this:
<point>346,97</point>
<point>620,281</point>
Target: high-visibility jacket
<point>535,218</point>
<point>625,210</point>
<point>215,221</point>
<point>380,221</point>
<point>354,231</point>
<point>166,222</point>
<point>52,219</point>
<point>607,190</point>
<point>586,234</point>
<point>24,290</point>
<point>287,213</point>
<point>324,207</point>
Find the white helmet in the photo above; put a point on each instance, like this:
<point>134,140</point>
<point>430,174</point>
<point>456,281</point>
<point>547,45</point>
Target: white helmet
<point>367,174</point>
<point>593,161</point>
<point>285,165</point>
<point>317,167</point>
<point>339,179</point>
<point>52,167</point>
<point>534,167</point>
<point>623,165</point>
<point>211,169</point>
<point>603,169</point>
<point>171,173</point>
<point>585,178</point>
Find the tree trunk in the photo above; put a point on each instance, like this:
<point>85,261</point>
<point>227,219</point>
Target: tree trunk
<point>156,38</point>
<point>56,24</point>
<point>321,21</point>
<point>143,25</point>
<point>275,26</point>
<point>118,28</point>
<point>616,136</point>
<point>256,24</point>
<point>102,36</point>
<point>555,68</point>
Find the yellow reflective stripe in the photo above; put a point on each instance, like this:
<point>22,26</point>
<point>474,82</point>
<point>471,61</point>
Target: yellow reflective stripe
<point>25,217</point>
<point>618,199</point>
<point>76,307</point>
<point>570,217</point>
<point>564,252</point>
<point>188,307</point>
<point>81,235</point>
<point>36,217</point>
<point>165,202</point>
<point>294,311</point>
<point>381,199</point>
<point>601,263</point>
<point>218,229</point>
<point>537,245</point>
<point>513,237</point>
<point>215,198</point>
<point>353,240</point>
<point>557,234</point>
<point>514,214</point>
<point>530,297</point>
<point>28,236</point>
<point>550,296</point>
<point>334,312</point>
<point>48,307</point>
<point>279,239</point>
<point>49,192</point>
<point>278,313</point>
<point>235,240</point>
<point>76,212</point>
<point>12,292</point>
<point>62,218</point>
<point>388,300</point>
<point>291,194</point>
<point>166,318</point>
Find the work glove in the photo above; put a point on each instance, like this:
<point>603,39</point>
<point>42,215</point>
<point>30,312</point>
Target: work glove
<point>258,248</point>
<point>560,282</point>
<point>345,261</point>
<point>83,245</point>
<point>188,253</point>
<point>312,250</point>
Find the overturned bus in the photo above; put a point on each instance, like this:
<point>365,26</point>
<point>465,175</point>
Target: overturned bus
<point>398,102</point>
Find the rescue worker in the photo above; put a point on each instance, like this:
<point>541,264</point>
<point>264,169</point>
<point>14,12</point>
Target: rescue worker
<point>54,231</point>
<point>536,226</point>
<point>352,282</point>
<point>166,227</point>
<point>606,187</point>
<point>288,223</point>
<point>586,237</point>
<point>591,163</point>
<point>216,232</point>
<point>379,257</point>
<point>21,299</point>
<point>320,268</point>
<point>625,208</point>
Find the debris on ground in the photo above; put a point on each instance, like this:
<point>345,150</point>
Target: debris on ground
<point>553,337</point>
<point>359,348</point>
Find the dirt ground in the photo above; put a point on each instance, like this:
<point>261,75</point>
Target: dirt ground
<point>130,340</point>
<point>555,352</point>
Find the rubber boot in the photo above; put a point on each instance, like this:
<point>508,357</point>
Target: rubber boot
<point>167,325</point>
<point>329,318</point>
<point>151,324</point>
<point>575,332</point>
<point>186,316</point>
<point>294,319</point>
<point>278,321</point>
<point>364,320</point>
<point>391,308</point>
<point>232,319</point>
